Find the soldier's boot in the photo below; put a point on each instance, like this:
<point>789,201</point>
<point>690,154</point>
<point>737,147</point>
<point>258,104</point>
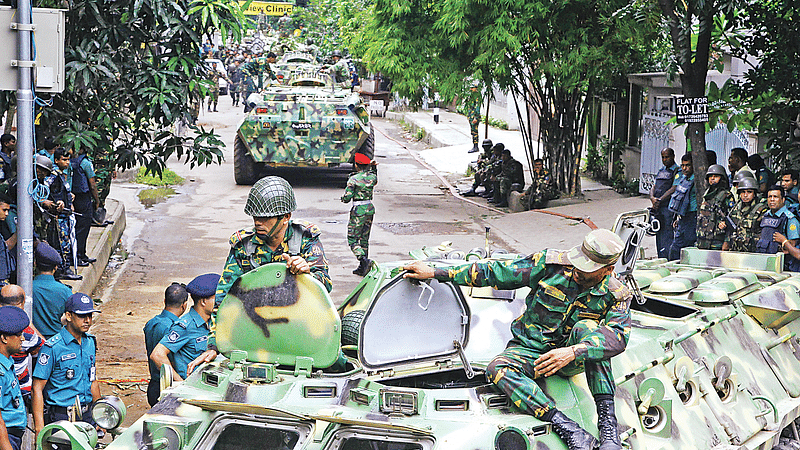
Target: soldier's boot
<point>503,203</point>
<point>474,149</point>
<point>363,266</point>
<point>470,193</point>
<point>571,433</point>
<point>607,426</point>
<point>487,193</point>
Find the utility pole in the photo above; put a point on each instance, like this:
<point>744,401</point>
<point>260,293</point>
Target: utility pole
<point>25,148</point>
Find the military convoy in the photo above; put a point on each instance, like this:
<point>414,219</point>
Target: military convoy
<point>713,362</point>
<point>307,121</point>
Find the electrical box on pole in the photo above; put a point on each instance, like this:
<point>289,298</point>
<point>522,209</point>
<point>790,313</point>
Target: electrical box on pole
<point>48,49</point>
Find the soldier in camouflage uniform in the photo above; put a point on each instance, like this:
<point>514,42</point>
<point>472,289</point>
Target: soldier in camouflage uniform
<point>493,169</point>
<point>479,179</point>
<point>510,174</point>
<point>542,188</point>
<point>577,318</point>
<point>359,190</point>
<point>213,92</point>
<point>274,237</point>
<point>745,219</point>
<point>104,172</point>
<point>713,211</point>
<point>253,76</point>
<point>473,105</point>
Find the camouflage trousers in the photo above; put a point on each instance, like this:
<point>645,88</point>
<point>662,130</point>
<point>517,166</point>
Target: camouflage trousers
<point>358,229</point>
<point>709,244</point>
<point>213,97</point>
<point>512,371</point>
<point>59,238</point>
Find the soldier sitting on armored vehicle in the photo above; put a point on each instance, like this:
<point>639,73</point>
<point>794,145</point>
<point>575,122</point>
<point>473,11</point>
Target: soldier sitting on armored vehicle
<point>548,341</point>
<point>274,237</point>
<point>339,70</point>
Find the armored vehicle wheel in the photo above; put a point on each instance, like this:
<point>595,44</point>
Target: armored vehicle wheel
<point>245,170</point>
<point>368,147</point>
<point>351,325</point>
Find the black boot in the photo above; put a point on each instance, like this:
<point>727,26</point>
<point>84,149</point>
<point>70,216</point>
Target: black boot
<point>571,433</point>
<point>474,149</point>
<point>607,426</point>
<point>470,193</point>
<point>363,266</point>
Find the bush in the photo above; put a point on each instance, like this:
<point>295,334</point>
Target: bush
<point>168,178</point>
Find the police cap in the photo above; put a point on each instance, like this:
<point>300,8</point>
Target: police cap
<point>13,320</point>
<point>47,255</point>
<point>80,303</point>
<point>203,286</point>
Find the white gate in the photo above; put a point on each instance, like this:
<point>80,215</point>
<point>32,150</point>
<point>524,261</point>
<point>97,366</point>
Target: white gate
<point>655,136</point>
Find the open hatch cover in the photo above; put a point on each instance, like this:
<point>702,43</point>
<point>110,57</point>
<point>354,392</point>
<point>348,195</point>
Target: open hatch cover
<point>411,322</point>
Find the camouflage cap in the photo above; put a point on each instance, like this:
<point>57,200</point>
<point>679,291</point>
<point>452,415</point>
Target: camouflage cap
<point>269,197</point>
<point>600,248</point>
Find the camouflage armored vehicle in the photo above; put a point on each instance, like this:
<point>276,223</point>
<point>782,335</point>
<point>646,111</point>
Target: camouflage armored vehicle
<point>713,362</point>
<point>307,123</point>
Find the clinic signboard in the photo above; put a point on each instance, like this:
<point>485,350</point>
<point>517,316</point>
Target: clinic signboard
<point>268,8</point>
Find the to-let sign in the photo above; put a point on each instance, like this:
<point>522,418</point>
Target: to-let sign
<point>269,8</point>
<point>691,109</point>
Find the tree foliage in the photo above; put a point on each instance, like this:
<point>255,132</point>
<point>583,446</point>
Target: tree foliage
<point>333,24</point>
<point>553,54</point>
<point>133,68</point>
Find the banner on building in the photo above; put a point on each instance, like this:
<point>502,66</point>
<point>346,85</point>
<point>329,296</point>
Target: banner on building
<point>269,8</point>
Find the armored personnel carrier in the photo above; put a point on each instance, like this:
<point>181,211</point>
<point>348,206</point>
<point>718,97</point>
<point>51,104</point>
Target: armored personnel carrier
<point>309,123</point>
<point>713,362</point>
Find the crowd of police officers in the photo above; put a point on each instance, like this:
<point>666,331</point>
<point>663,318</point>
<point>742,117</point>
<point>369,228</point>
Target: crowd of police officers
<point>744,210</point>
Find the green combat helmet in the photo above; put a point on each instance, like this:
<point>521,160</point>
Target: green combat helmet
<point>748,183</point>
<point>716,169</point>
<point>741,175</point>
<point>269,197</point>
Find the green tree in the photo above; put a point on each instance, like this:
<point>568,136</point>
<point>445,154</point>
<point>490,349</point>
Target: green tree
<point>333,24</point>
<point>133,71</point>
<point>554,54</point>
<point>768,98</point>
<point>693,26</point>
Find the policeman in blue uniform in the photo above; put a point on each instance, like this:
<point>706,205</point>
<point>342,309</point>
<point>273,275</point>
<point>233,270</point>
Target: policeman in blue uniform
<point>779,220</point>
<point>663,187</point>
<point>49,296</point>
<point>12,426</point>
<point>66,368</point>
<point>188,337</point>
<point>156,328</point>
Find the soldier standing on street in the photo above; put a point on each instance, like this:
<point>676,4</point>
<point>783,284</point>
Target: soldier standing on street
<point>779,221</point>
<point>510,174</point>
<point>275,237</point>
<point>713,211</point>
<point>683,204</point>
<point>187,338</point>
<point>483,159</point>
<point>66,368</point>
<point>235,73</point>
<point>156,328</point>
<point>663,187</point>
<point>746,218</point>
<point>359,189</point>
<point>13,321</point>
<point>473,106</point>
<point>546,341</point>
<point>253,76</point>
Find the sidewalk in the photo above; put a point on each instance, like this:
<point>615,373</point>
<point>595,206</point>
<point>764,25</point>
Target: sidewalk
<point>526,231</point>
<point>100,245</point>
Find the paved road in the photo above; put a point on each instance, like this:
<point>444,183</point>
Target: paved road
<point>187,235</point>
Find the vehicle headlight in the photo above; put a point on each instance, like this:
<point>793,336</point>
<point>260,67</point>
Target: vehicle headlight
<point>109,412</point>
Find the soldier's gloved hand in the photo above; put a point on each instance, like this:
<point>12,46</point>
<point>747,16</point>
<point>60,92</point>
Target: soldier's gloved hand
<point>296,264</point>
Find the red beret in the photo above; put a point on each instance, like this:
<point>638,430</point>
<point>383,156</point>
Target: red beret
<point>361,158</point>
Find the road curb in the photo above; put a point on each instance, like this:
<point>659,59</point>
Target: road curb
<point>100,245</point>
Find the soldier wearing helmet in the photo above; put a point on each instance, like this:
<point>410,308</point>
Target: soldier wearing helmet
<point>339,70</point>
<point>713,211</point>
<point>480,178</point>
<point>744,226</point>
<point>577,318</point>
<point>274,237</point>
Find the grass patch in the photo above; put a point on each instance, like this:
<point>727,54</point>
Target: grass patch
<point>151,197</point>
<point>167,178</point>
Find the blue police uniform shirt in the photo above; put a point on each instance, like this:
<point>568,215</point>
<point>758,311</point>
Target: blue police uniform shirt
<point>13,408</point>
<point>68,367</point>
<point>154,330</point>
<point>49,298</point>
<point>88,167</point>
<point>792,230</point>
<point>186,340</point>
